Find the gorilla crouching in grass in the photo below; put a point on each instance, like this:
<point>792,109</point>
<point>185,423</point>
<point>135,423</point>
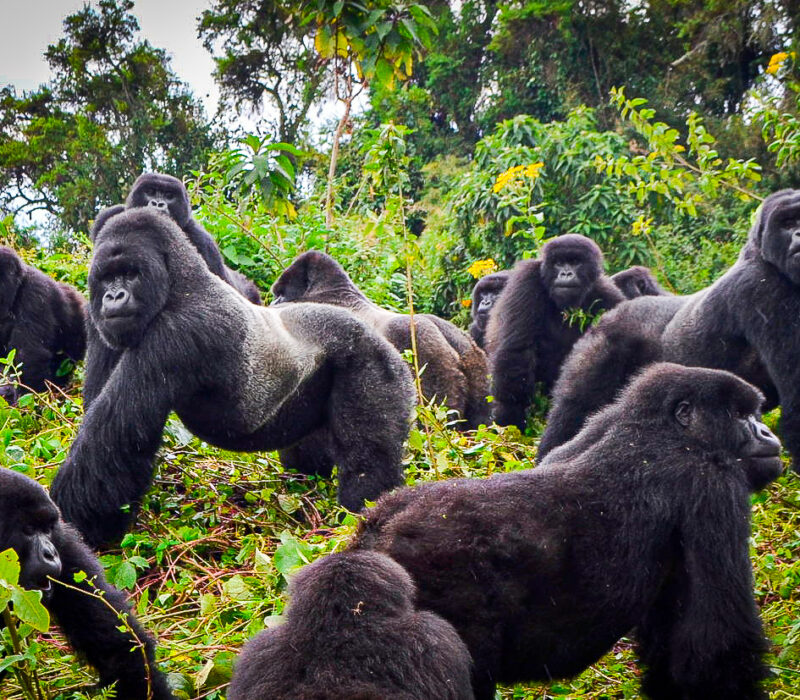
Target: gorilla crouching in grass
<point>744,323</point>
<point>640,523</point>
<point>240,376</point>
<point>48,549</point>
<point>352,632</point>
<point>43,320</point>
<point>455,368</point>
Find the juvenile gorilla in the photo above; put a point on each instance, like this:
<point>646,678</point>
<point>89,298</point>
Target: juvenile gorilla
<point>47,547</point>
<point>484,296</point>
<point>352,633</point>
<point>42,319</point>
<point>455,368</point>
<point>638,281</point>
<point>641,522</point>
<point>240,376</point>
<point>168,195</point>
<point>742,323</point>
<point>530,331</point>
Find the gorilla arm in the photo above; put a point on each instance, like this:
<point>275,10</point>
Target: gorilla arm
<point>92,625</point>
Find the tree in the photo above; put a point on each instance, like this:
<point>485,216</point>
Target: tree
<point>112,109</point>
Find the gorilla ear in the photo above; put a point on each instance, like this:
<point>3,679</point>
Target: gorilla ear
<point>683,413</point>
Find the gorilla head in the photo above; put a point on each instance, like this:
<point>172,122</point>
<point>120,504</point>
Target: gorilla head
<point>129,285</point>
<point>638,281</point>
<point>11,273</point>
<point>570,266</point>
<point>162,192</point>
<point>313,276</point>
<point>30,534</point>
<point>776,232</point>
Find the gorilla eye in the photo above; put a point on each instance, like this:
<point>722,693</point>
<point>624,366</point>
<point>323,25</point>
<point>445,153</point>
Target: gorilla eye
<point>29,530</point>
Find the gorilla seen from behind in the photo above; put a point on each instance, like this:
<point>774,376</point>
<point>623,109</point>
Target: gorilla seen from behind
<point>638,281</point>
<point>352,632</point>
<point>43,320</point>
<point>530,331</point>
<point>742,323</point>
<point>641,522</point>
<point>240,376</point>
<point>455,368</point>
<point>48,548</point>
<point>484,296</point>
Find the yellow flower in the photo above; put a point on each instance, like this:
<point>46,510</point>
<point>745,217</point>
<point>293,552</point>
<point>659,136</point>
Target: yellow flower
<point>503,179</point>
<point>777,61</point>
<point>466,303</point>
<point>481,268</point>
<point>532,170</point>
<point>641,225</point>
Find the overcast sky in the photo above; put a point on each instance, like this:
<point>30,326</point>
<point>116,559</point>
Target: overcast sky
<point>28,26</point>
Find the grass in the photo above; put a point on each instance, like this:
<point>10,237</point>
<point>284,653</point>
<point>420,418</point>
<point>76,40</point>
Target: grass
<point>207,565</point>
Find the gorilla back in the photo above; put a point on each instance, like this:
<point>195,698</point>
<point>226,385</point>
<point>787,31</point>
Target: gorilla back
<point>241,376</point>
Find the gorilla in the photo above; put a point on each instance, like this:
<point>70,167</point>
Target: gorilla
<point>484,296</point>
<point>43,320</point>
<point>50,550</point>
<point>352,632</point>
<point>240,376</point>
<point>455,367</point>
<point>741,323</point>
<point>640,523</point>
<point>530,332</point>
<point>638,281</point>
<point>168,195</point>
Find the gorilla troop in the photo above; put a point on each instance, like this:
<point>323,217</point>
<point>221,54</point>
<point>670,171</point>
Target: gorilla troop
<point>484,296</point>
<point>43,320</point>
<point>739,323</point>
<point>455,369</point>
<point>240,376</point>
<point>530,331</point>
<point>641,522</point>
<point>50,550</point>
<point>352,632</point>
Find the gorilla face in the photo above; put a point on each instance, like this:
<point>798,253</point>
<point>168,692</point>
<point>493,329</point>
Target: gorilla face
<point>486,302</point>
<point>30,533</point>
<point>163,193</point>
<point>570,265</point>
<point>129,285</point>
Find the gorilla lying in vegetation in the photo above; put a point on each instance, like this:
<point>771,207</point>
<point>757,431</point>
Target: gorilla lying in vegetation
<point>43,320</point>
<point>531,330</point>
<point>454,367</point>
<point>48,548</point>
<point>168,195</point>
<point>743,323</point>
<point>484,296</point>
<point>352,633</point>
<point>638,281</point>
<point>639,523</point>
<point>240,376</point>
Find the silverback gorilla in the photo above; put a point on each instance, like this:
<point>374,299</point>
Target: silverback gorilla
<point>240,376</point>
<point>168,195</point>
<point>530,332</point>
<point>42,319</point>
<point>352,632</point>
<point>48,548</point>
<point>455,368</point>
<point>638,281</point>
<point>742,323</point>
<point>484,296</point>
<point>641,523</point>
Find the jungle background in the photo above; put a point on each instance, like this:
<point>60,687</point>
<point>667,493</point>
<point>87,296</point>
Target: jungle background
<point>467,134</point>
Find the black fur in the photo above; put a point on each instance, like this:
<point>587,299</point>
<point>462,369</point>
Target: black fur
<point>241,376</point>
<point>44,320</point>
<point>352,632</point>
<point>484,295</point>
<point>638,281</point>
<point>529,332</point>
<point>641,522</point>
<point>30,524</point>
<point>455,368</point>
<point>743,323</point>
